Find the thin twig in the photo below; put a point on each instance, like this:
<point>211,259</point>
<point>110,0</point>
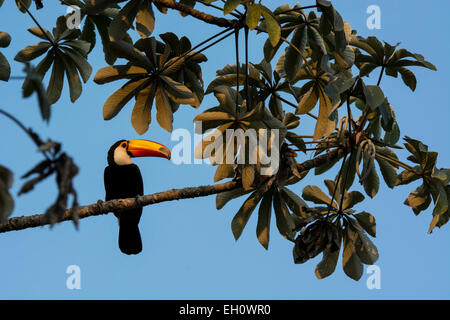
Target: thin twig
<point>216,7</point>
<point>296,9</point>
<point>37,23</point>
<point>336,184</point>
<point>395,161</point>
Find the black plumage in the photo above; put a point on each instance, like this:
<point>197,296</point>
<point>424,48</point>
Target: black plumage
<point>125,181</point>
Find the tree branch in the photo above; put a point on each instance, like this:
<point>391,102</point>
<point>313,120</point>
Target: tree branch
<point>221,22</point>
<point>99,208</point>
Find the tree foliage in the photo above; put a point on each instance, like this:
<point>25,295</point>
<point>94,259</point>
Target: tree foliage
<point>314,62</point>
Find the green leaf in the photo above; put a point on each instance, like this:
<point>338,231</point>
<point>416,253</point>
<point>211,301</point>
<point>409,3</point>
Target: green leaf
<point>141,115</point>
<point>214,116</point>
<point>124,20</point>
<point>365,249</point>
<point>176,91</point>
<point>374,96</point>
<point>164,114</point>
<point>81,63</point>
<point>224,197</point>
<point>285,223</point>
<point>264,215</point>
<point>419,200</point>
<point>102,23</point>
<point>441,203</point>
<point>324,125</point>
<point>23,5</point>
<point>351,199</point>
<point>308,101</point>
<point>407,176</point>
<point>5,39</point>
<point>248,176</point>
<point>113,73</point>
<point>119,99</point>
<point>5,69</point>
<point>81,46</point>
<point>253,15</point>
<point>88,33</point>
<point>241,218</point>
<point>223,171</point>
<point>31,52</point>
<point>408,78</point>
<point>294,202</point>
<point>145,19</point>
<point>351,262</point>
<point>372,183</point>
<point>273,28</point>
<point>325,167</point>
<point>123,49</point>
<point>73,78</point>
<point>367,221</point>
<point>293,60</point>
<point>55,84</point>
<point>388,171</point>
<point>6,200</point>
<point>316,38</point>
<point>348,172</point>
<point>230,5</point>
<point>328,264</point>
<point>314,194</point>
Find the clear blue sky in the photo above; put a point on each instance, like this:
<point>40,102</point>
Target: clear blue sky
<point>189,250</point>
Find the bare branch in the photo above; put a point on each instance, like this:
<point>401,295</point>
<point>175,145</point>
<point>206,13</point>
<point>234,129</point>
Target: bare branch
<point>221,22</point>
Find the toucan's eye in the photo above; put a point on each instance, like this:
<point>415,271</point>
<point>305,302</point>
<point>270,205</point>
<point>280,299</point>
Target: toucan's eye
<point>124,145</point>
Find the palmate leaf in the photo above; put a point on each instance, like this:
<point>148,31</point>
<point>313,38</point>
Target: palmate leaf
<point>118,99</point>
<point>365,249</point>
<point>392,61</point>
<point>330,258</point>
<point>285,222</point>
<point>139,10</point>
<point>141,115</point>
<point>314,194</point>
<point>264,215</point>
<point>243,215</point>
<point>367,222</point>
<point>64,55</point>
<point>224,197</point>
<point>152,69</point>
<point>331,20</point>
<point>351,263</point>
<point>435,182</point>
<point>97,15</point>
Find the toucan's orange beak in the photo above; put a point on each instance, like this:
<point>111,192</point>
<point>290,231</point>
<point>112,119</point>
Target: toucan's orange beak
<point>145,148</point>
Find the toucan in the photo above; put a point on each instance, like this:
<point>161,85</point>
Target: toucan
<point>123,179</point>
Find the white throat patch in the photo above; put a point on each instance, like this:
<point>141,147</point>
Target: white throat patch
<point>121,157</point>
